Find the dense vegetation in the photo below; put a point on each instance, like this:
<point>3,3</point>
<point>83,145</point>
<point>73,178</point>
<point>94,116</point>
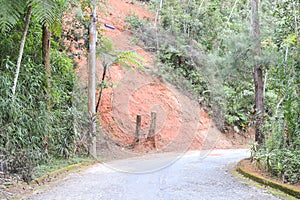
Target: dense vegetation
<point>36,126</point>
<point>203,47</point>
<point>208,49</point>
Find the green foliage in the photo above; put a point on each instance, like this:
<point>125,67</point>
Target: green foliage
<point>134,22</point>
<point>179,68</point>
<point>282,163</point>
<point>280,153</point>
<point>109,56</point>
<point>128,58</point>
<point>239,99</point>
<point>46,12</point>
<point>282,129</point>
<point>287,20</point>
<point>206,55</point>
<point>10,12</point>
<point>58,163</point>
<point>29,132</point>
<point>217,33</point>
<point>203,47</point>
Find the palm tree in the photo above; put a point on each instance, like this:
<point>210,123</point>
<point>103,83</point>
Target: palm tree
<point>10,13</point>
<point>47,12</point>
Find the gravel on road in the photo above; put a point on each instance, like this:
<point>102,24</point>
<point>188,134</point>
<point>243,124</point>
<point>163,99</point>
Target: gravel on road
<point>196,175</point>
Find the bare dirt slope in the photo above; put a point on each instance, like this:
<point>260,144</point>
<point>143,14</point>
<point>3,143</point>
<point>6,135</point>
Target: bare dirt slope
<point>181,123</point>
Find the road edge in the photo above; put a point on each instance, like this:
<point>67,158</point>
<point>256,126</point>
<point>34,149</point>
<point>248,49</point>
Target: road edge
<point>265,181</point>
<point>50,177</point>
<point>56,173</point>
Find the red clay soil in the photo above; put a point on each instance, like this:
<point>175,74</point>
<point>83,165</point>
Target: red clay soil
<point>181,123</point>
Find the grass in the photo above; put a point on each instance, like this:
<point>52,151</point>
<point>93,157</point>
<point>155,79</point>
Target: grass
<point>250,182</point>
<point>261,182</point>
<point>43,174</point>
<point>58,163</point>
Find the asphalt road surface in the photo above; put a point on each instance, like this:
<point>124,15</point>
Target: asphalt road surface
<point>196,175</point>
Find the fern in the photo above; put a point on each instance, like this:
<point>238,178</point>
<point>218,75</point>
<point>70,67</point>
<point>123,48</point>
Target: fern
<point>45,11</point>
<point>106,52</point>
<point>10,12</point>
<point>129,58</point>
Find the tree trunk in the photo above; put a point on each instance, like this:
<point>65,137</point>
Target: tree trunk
<point>101,88</point>
<point>28,16</point>
<point>92,81</point>
<point>258,74</point>
<point>46,61</point>
<point>157,16</point>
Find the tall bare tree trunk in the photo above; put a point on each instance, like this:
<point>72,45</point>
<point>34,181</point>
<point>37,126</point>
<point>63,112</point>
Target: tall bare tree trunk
<point>157,16</point>
<point>258,74</point>
<point>28,16</point>
<point>92,80</point>
<point>157,22</point>
<point>46,61</point>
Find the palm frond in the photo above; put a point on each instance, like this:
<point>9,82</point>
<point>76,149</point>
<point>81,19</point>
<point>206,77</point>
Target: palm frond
<point>10,13</point>
<point>129,58</point>
<point>46,12</point>
<point>106,46</point>
<point>56,28</point>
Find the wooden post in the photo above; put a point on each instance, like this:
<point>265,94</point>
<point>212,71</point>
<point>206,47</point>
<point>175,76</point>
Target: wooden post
<point>152,129</point>
<point>138,127</point>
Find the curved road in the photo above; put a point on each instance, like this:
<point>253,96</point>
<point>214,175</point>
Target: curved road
<point>196,175</point>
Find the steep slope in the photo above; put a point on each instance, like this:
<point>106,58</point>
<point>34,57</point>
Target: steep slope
<point>181,123</point>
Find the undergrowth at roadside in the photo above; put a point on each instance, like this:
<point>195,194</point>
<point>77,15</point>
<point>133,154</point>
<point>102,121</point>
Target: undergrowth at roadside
<point>210,52</point>
<point>54,164</point>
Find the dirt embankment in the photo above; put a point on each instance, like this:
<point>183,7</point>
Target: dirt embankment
<point>181,123</point>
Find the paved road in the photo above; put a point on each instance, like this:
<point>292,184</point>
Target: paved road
<point>194,176</point>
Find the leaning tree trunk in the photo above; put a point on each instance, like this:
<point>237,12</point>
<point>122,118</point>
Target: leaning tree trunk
<point>28,16</point>
<point>258,74</point>
<point>46,61</point>
<point>101,88</point>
